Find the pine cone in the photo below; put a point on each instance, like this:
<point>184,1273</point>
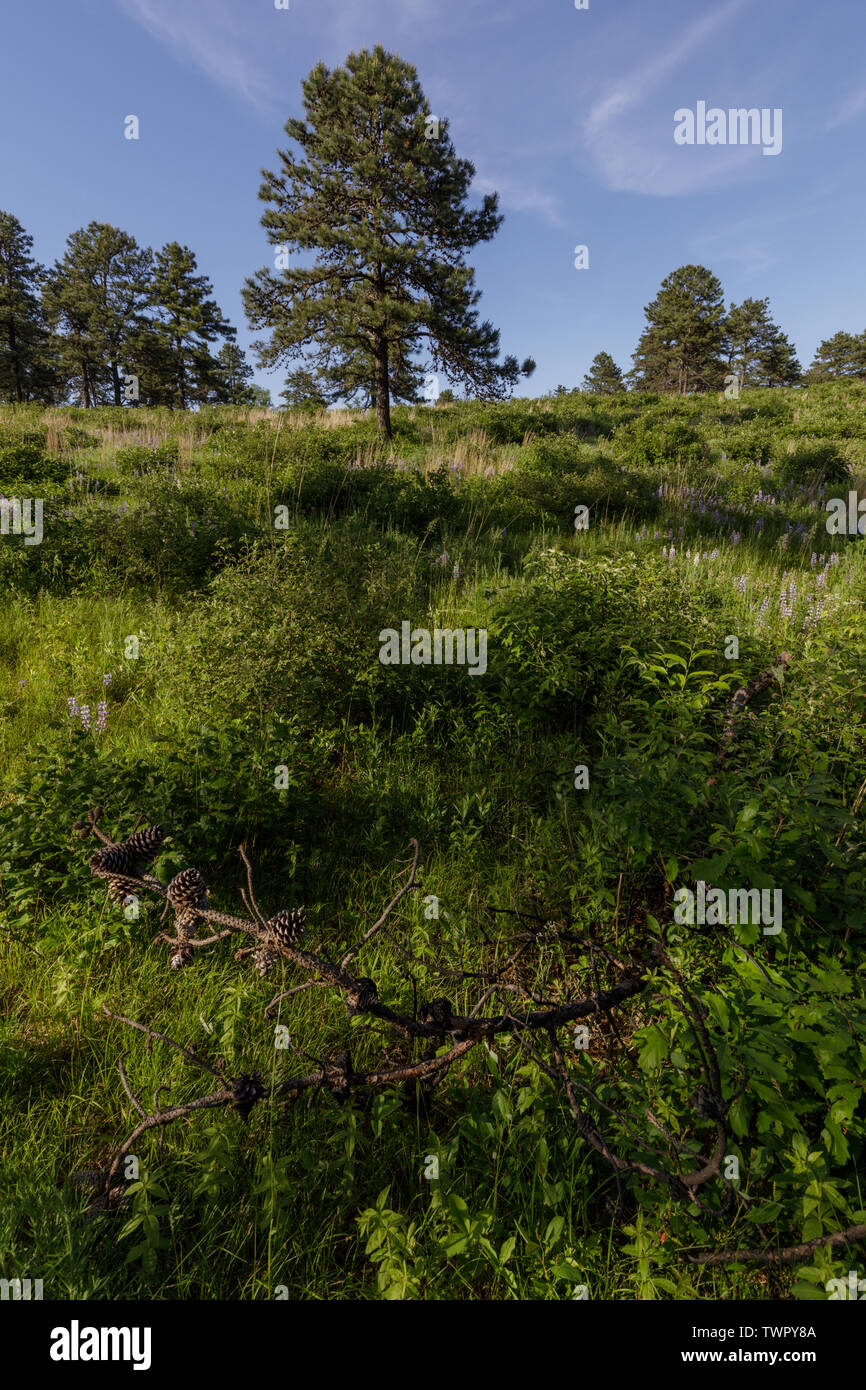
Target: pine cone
<point>437,1011</point>
<point>145,844</point>
<point>185,922</point>
<point>120,888</point>
<point>287,927</point>
<point>113,859</point>
<point>187,889</point>
<point>360,999</point>
<point>265,960</point>
<point>246,1091</point>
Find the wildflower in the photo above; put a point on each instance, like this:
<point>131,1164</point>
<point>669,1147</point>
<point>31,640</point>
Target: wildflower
<point>73,706</point>
<point>456,571</point>
<point>85,716</point>
<point>101,716</point>
<point>106,679</point>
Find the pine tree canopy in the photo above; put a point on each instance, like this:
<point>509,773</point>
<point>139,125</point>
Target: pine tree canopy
<point>378,193</point>
<point>604,376</point>
<point>24,368</point>
<point>681,347</point>
<point>98,293</point>
<point>842,355</point>
<point>187,321</point>
<point>758,350</point>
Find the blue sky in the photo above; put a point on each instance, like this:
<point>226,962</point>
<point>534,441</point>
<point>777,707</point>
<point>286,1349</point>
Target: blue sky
<point>568,114</point>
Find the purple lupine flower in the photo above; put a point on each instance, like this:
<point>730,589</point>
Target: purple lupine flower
<point>73,706</point>
<point>101,716</point>
<point>106,679</point>
<point>85,716</point>
<point>814,559</point>
<point>763,608</point>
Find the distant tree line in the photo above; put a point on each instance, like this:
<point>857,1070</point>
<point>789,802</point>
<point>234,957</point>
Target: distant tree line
<point>111,309</point>
<point>692,343</point>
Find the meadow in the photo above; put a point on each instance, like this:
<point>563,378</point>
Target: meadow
<point>204,611</point>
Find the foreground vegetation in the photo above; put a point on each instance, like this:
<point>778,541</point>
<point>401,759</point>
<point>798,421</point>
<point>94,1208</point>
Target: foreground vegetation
<point>609,648</point>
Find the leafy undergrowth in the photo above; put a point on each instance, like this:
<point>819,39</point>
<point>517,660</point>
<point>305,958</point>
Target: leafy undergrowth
<point>196,639</point>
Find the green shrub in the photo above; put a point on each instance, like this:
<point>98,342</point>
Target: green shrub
<point>813,461</point>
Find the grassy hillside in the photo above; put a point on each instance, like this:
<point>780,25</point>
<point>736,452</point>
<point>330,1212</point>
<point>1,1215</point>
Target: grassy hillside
<point>255,558</point>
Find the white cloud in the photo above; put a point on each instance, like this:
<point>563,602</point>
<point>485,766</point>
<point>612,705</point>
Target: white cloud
<point>520,197</point>
<point>631,156</point>
<point>850,109</point>
<point>210,36</point>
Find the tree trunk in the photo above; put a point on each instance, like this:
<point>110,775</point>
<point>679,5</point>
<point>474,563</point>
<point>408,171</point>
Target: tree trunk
<point>383,391</point>
<point>13,345</point>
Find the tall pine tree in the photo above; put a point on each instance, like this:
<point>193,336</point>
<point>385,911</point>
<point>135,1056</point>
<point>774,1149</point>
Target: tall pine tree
<point>681,347</point>
<point>378,194</point>
<point>757,349</point>
<point>843,355</point>
<point>98,294</point>
<point>186,321</point>
<point>232,377</point>
<point>604,377</point>
<point>25,367</point>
